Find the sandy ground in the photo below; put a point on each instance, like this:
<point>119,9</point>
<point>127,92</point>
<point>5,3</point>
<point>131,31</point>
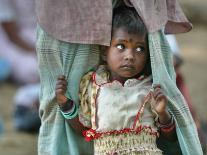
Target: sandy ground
<point>12,142</point>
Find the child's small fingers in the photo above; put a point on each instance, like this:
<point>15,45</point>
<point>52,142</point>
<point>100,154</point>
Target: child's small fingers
<point>157,90</point>
<point>160,97</point>
<point>156,93</point>
<point>157,86</point>
<point>61,82</point>
<point>61,77</point>
<point>60,91</point>
<point>61,87</point>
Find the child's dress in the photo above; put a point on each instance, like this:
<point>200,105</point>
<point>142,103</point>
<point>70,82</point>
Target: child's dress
<point>120,117</point>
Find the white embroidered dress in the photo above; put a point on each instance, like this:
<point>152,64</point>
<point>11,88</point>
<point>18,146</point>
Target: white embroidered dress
<point>121,118</point>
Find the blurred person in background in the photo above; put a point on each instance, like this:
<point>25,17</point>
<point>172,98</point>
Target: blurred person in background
<point>26,116</point>
<point>5,69</point>
<point>17,39</point>
<point>1,127</point>
<point>180,82</point>
<point>18,59</point>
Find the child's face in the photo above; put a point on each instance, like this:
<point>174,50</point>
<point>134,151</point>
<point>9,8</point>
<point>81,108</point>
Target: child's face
<point>127,55</point>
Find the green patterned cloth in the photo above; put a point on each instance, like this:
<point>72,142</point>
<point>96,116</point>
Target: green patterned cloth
<point>73,60</point>
<point>163,73</point>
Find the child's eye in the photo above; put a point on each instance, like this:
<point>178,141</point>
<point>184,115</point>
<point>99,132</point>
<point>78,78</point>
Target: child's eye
<point>120,46</point>
<point>140,49</point>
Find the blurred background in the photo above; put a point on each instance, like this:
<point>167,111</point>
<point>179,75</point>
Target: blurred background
<point>19,81</point>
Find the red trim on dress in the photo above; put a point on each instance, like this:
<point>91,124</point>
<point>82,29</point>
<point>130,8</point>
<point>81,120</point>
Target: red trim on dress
<point>140,78</point>
<point>92,134</point>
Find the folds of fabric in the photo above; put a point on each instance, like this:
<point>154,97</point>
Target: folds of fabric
<point>163,73</point>
<point>73,60</point>
<point>158,13</point>
<point>95,18</point>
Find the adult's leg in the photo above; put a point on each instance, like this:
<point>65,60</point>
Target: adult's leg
<point>55,58</point>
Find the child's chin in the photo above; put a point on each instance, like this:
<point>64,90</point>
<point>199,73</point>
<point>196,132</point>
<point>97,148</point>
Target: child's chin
<point>128,76</point>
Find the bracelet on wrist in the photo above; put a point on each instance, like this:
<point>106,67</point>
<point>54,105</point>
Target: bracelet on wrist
<point>167,125</point>
<point>169,129</point>
<point>71,112</point>
<point>67,105</point>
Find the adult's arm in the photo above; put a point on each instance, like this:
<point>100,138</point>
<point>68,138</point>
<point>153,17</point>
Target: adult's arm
<point>12,31</point>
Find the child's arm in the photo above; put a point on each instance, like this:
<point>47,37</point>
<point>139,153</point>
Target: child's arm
<point>165,120</point>
<point>66,105</point>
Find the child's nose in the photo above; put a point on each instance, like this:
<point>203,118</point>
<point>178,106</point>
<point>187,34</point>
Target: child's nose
<point>129,55</point>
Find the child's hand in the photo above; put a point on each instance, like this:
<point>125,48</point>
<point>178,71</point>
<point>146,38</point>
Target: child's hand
<point>165,119</point>
<point>60,90</point>
<point>160,105</point>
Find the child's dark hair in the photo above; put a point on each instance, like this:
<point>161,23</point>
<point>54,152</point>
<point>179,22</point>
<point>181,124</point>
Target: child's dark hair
<point>128,18</point>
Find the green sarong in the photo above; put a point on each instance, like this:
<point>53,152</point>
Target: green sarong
<point>72,60</point>
<point>163,74</point>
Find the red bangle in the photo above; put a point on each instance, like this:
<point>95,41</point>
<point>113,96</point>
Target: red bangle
<point>168,129</point>
<point>167,125</point>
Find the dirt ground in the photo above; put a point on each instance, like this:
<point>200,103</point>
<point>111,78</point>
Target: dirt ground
<point>12,142</point>
<point>194,51</point>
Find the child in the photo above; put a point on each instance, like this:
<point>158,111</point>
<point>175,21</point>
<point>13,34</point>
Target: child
<point>119,105</point>
<point>122,115</point>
